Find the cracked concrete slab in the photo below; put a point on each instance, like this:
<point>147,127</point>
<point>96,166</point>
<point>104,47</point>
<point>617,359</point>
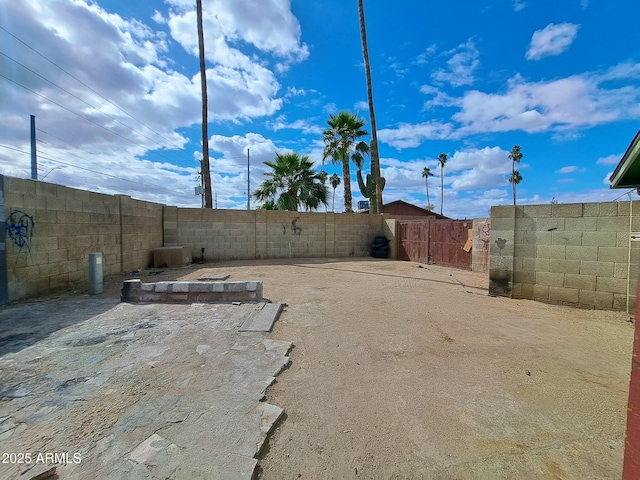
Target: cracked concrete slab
<point>262,318</point>
<point>136,391</point>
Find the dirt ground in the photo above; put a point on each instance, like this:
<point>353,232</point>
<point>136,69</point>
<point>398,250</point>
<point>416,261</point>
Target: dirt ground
<point>402,370</point>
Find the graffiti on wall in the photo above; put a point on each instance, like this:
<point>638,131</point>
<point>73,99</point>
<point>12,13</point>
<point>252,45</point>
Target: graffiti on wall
<point>295,228</point>
<point>482,235</point>
<point>20,229</point>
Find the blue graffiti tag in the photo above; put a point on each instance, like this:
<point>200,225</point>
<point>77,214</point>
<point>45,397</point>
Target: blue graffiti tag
<point>20,229</point>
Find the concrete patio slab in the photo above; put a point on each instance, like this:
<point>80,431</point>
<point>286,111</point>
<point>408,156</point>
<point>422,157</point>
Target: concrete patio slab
<point>262,318</point>
<point>135,391</point>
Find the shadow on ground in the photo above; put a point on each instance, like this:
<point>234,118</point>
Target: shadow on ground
<point>24,324</point>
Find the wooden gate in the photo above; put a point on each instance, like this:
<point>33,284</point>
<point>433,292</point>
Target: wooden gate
<point>413,239</point>
<point>438,242</point>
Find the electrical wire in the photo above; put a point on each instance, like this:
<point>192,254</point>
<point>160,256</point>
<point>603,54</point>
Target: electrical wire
<point>85,102</point>
<point>46,157</point>
<point>84,84</point>
<point>625,193</point>
<point>71,111</point>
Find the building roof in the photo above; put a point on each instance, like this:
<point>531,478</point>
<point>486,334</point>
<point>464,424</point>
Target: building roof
<point>400,207</point>
<point>627,173</point>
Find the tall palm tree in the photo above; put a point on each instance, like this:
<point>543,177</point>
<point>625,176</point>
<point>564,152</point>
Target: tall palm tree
<point>335,181</point>
<point>291,183</point>
<point>442,159</point>
<point>206,175</point>
<point>426,173</point>
<point>341,145</point>
<point>515,178</point>
<point>375,158</point>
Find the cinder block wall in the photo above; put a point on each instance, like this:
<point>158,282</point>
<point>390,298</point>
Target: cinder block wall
<point>258,234</point>
<point>573,254</point>
<point>481,245</point>
<point>141,232</point>
<point>51,229</point>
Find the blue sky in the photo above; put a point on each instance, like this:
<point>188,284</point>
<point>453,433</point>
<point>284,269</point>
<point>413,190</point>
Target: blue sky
<point>115,89</point>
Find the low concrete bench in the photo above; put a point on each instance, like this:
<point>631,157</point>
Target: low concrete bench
<point>134,291</point>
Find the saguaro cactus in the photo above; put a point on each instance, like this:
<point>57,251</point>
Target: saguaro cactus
<point>368,190</point>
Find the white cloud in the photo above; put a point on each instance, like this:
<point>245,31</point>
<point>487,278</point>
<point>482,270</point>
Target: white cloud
<point>412,135</point>
<point>399,70</point>
<point>330,108</point>
<point>281,123</point>
<point>424,57</point>
<point>130,72</point>
<point>361,106</point>
<point>296,92</point>
<point>465,170</point>
<point>271,28</point>
<point>563,104</point>
<point>610,159</point>
<point>460,67</point>
<point>552,40</point>
<point>569,169</point>
<point>133,69</point>
<point>478,168</point>
<point>440,98</point>
<point>495,193</point>
<point>519,5</point>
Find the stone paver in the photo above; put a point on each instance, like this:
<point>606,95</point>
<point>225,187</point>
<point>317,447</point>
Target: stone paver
<point>135,391</point>
<point>262,318</point>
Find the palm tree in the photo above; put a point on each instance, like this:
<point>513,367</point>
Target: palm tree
<point>323,177</point>
<point>442,159</point>
<point>342,145</point>
<point>292,182</point>
<point>426,173</point>
<point>206,176</point>
<point>515,178</point>
<point>375,158</point>
<point>335,181</point>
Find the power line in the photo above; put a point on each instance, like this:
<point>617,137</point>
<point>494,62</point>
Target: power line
<point>86,118</point>
<point>44,157</point>
<point>625,193</point>
<point>84,84</point>
<point>81,100</point>
<point>71,111</point>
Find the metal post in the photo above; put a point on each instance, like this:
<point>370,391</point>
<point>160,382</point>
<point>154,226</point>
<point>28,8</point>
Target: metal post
<point>248,184</point>
<point>95,273</point>
<point>34,159</point>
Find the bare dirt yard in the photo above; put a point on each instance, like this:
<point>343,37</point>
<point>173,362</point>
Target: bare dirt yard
<point>402,370</point>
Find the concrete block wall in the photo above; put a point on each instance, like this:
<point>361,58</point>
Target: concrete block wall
<point>224,234</point>
<point>480,251</point>
<point>51,229</point>
<point>573,254</point>
<point>501,250</point>
<point>295,234</point>
<point>141,231</point>
<point>258,234</point>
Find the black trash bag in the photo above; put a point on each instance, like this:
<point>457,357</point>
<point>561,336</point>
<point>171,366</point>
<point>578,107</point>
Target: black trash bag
<point>380,247</point>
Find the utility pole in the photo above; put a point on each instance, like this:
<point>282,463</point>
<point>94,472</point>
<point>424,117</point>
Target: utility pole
<point>205,130</point>
<point>34,158</point>
<point>248,184</point>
